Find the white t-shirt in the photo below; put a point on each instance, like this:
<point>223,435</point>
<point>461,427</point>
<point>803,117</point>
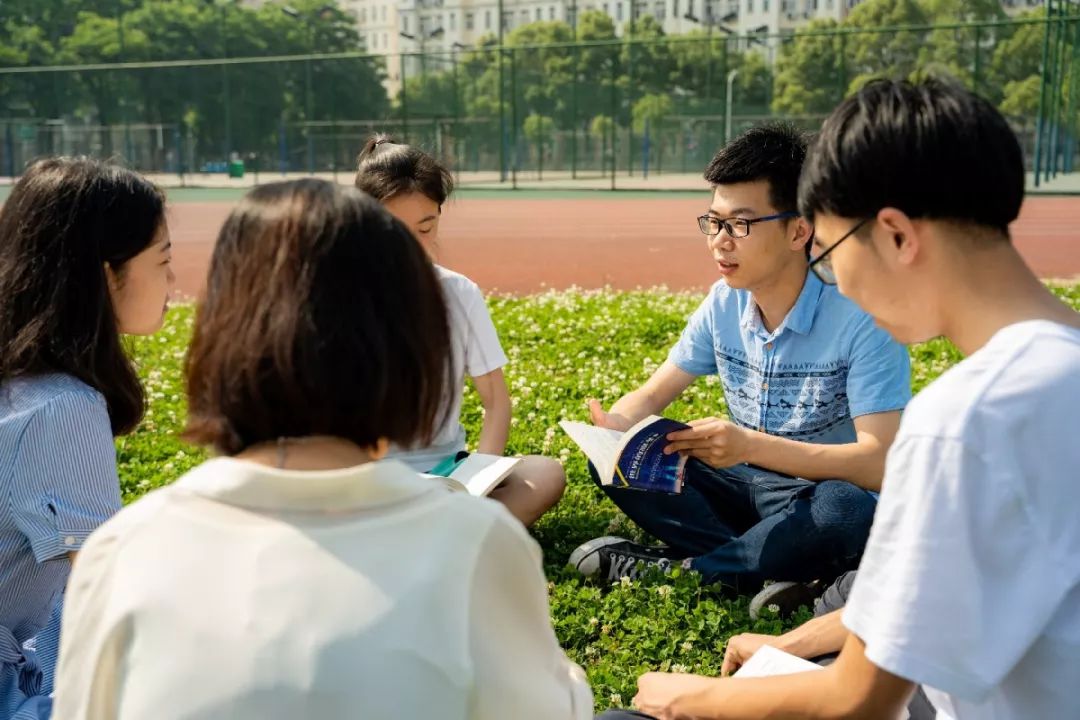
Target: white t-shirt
<point>476,351</point>
<point>970,583</point>
<point>249,593</point>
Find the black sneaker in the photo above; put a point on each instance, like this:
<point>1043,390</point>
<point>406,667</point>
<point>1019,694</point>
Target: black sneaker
<point>610,558</point>
<point>784,598</point>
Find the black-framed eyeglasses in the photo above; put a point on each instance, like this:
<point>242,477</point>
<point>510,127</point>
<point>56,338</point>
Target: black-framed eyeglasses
<point>822,264</point>
<point>736,227</point>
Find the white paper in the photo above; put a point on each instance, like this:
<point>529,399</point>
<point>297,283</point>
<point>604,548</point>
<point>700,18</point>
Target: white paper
<point>770,661</point>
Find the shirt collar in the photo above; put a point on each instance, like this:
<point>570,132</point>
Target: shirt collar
<point>250,485</point>
<point>799,319</point>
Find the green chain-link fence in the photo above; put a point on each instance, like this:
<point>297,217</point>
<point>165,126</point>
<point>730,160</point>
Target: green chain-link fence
<point>643,110</point>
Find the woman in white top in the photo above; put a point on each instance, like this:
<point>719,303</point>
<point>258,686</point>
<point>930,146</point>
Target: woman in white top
<point>414,187</point>
<point>298,575</point>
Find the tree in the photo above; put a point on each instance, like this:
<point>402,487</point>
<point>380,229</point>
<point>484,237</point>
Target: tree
<point>961,52</point>
<point>881,50</point>
<point>653,109</point>
<point>809,71</point>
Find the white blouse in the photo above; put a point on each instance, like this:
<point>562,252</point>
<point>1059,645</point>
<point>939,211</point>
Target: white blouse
<point>245,592</point>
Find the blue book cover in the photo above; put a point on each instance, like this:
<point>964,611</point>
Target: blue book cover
<point>642,463</point>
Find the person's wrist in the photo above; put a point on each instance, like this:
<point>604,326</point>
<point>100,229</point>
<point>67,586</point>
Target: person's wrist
<point>753,442</point>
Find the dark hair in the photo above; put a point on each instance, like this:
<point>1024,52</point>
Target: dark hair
<point>931,149</point>
<point>386,168</point>
<point>322,316</point>
<point>773,152</point>
<point>65,219</point>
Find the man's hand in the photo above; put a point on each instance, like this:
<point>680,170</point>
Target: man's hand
<point>740,648</point>
<point>603,419</point>
<point>659,693</point>
<point>717,443</point>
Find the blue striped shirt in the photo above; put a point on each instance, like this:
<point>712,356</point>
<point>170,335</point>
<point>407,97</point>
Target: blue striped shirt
<point>58,477</point>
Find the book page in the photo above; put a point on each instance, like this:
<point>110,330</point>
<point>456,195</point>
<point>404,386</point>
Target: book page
<point>770,661</point>
<point>449,483</point>
<point>599,445</point>
<point>481,473</point>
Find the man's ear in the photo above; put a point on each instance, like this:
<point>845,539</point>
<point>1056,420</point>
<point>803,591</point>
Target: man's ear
<point>899,236</point>
<point>803,234</point>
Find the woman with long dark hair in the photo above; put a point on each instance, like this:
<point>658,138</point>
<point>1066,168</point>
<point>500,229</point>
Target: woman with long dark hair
<point>84,258</point>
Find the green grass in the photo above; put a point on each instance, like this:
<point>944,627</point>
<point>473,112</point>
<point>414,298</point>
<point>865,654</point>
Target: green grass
<point>564,348</point>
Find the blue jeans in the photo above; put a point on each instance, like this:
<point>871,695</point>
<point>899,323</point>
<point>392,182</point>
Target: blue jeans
<point>744,524</point>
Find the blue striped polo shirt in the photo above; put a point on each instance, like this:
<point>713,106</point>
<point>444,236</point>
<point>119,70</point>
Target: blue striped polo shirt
<point>59,482</point>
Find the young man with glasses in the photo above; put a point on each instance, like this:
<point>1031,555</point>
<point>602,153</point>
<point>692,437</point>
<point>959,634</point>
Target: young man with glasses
<point>970,585</point>
<point>785,489</point>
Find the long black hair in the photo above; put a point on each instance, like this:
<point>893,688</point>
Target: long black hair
<point>66,219</point>
<point>386,168</point>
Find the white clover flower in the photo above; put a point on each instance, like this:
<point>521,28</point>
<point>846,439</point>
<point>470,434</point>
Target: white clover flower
<point>679,668</point>
<point>687,646</point>
<point>664,591</point>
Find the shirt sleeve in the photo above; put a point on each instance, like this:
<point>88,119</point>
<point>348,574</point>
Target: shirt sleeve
<point>879,371</point>
<point>694,353</point>
<point>520,671</point>
<point>93,648</point>
<point>483,351</point>
<point>64,475</point>
<point>955,585</point>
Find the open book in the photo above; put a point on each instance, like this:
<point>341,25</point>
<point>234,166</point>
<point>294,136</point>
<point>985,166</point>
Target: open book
<point>478,474</point>
<point>634,459</point>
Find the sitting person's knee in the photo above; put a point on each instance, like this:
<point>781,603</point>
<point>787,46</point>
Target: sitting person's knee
<point>840,502</point>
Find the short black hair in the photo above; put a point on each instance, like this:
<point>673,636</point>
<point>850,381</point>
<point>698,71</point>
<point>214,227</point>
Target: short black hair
<point>386,168</point>
<point>323,316</point>
<point>931,149</point>
<point>772,152</point>
<point>66,218</point>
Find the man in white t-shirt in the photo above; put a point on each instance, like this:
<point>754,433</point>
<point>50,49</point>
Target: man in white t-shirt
<point>970,583</point>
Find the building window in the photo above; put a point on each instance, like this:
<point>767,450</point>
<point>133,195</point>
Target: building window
<point>363,16</point>
<point>618,11</point>
<point>765,5</point>
<point>551,13</point>
<point>405,23</point>
<point>487,19</point>
<point>468,21</point>
<point>374,41</point>
<point>539,14</point>
<point>384,13</point>
<point>749,6</point>
<point>524,17</point>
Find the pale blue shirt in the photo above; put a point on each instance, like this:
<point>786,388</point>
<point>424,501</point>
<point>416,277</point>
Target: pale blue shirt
<point>824,365</point>
<point>58,482</point>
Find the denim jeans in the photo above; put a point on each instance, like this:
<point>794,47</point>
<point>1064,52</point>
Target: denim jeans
<point>744,524</point>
